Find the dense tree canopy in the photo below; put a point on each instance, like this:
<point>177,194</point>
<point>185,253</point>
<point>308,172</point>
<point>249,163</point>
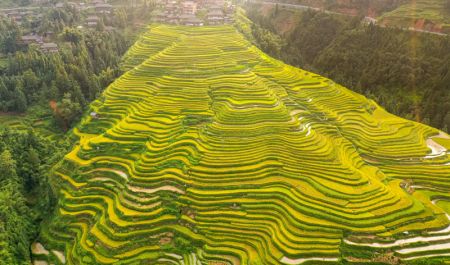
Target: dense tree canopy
<point>87,61</point>
<point>25,159</point>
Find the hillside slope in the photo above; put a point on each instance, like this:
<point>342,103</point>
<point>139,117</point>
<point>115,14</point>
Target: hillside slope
<point>428,15</point>
<point>208,151</point>
<point>406,72</point>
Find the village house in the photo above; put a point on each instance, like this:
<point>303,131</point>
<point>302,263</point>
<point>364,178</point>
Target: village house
<point>190,20</point>
<point>220,3</point>
<point>161,16</point>
<point>40,2</point>
<point>49,34</point>
<point>82,6</point>
<point>215,17</point>
<point>92,21</point>
<point>102,8</point>
<point>173,19</point>
<point>49,47</point>
<point>15,16</point>
<point>172,8</point>
<point>201,4</point>
<point>110,28</point>
<point>95,2</point>
<point>189,7</point>
<point>75,5</point>
<point>185,11</point>
<point>31,39</point>
<point>228,19</point>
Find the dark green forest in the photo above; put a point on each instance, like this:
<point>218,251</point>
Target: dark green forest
<point>66,81</point>
<point>71,78</point>
<point>406,72</point>
<point>25,195</point>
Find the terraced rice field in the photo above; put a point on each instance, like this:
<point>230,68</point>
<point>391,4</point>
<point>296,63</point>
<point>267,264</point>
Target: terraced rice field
<point>42,125</point>
<point>408,14</point>
<point>208,151</point>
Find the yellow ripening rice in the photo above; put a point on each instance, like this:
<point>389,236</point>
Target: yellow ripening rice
<point>208,151</point>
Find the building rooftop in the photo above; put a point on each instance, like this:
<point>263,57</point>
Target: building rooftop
<point>92,19</point>
<point>103,5</point>
<point>49,45</point>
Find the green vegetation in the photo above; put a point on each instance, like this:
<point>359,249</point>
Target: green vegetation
<point>41,94</point>
<point>406,72</point>
<point>66,81</point>
<point>208,150</point>
<point>409,14</point>
<point>25,194</point>
<point>428,15</point>
<point>360,7</point>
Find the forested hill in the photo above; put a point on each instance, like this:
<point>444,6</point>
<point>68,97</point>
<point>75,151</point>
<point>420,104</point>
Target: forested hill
<point>406,72</point>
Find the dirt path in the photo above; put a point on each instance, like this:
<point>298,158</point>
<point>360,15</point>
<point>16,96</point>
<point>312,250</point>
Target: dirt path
<point>442,135</point>
<point>116,171</point>
<point>428,256</point>
<point>437,150</point>
<point>442,246</point>
<point>150,191</point>
<point>60,256</point>
<point>38,249</point>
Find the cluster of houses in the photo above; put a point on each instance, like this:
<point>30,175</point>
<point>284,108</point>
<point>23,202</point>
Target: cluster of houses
<point>19,15</point>
<point>95,7</point>
<point>196,12</point>
<point>47,47</point>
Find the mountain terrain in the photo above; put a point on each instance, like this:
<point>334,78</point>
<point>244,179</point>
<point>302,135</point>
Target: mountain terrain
<point>421,15</point>
<point>209,151</point>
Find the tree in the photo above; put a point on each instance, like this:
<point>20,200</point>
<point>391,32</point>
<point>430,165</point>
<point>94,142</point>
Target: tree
<point>31,84</point>
<point>53,91</point>
<point>16,225</point>
<point>100,25</point>
<point>447,122</point>
<point>30,169</point>
<point>67,111</point>
<point>7,166</point>
<point>72,35</point>
<point>9,38</point>
<point>15,219</point>
<point>20,99</point>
